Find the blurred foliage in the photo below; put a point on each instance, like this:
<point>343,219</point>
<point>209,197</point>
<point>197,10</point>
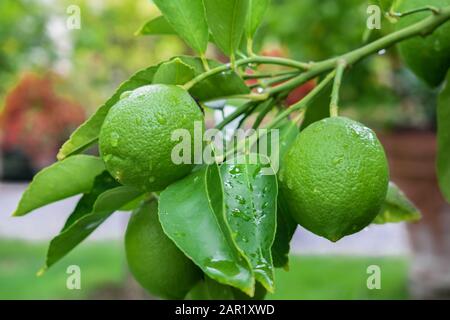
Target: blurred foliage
<point>24,41</point>
<point>36,121</point>
<point>106,52</point>
<point>377,91</point>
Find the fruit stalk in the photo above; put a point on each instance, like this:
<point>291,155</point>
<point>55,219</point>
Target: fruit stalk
<point>334,108</point>
<point>250,60</point>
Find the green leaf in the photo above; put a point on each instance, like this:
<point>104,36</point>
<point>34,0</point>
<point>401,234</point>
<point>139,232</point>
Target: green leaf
<point>187,18</point>
<point>250,205</point>
<point>102,182</point>
<point>174,72</point>
<point>443,139</point>
<point>288,133</point>
<point>156,26</point>
<point>286,226</point>
<point>191,212</point>
<point>136,203</point>
<point>105,205</point>
<point>220,85</point>
<point>319,108</point>
<point>226,20</point>
<point>397,207</point>
<point>88,132</point>
<point>59,181</point>
<point>385,5</point>
<point>256,11</point>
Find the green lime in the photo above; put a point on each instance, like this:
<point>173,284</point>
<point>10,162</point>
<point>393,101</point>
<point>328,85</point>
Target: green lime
<point>429,57</point>
<point>156,263</point>
<point>136,138</point>
<point>335,177</point>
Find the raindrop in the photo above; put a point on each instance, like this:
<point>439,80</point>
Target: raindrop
<point>151,179</point>
<point>235,170</point>
<point>240,199</point>
<point>161,119</point>
<point>437,45</point>
<point>382,52</point>
<point>115,139</point>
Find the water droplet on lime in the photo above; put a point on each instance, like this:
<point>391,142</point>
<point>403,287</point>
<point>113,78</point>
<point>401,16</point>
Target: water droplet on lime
<point>115,139</point>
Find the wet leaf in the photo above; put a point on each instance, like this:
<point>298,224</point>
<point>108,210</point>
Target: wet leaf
<point>106,204</point>
<point>61,180</point>
<point>250,205</point>
<point>102,182</point>
<point>191,212</point>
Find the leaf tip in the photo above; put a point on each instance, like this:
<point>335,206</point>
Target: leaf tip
<point>60,156</point>
<point>41,271</point>
<point>17,213</point>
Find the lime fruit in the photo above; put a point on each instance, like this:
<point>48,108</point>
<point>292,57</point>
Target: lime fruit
<point>335,177</point>
<point>429,57</point>
<point>154,260</point>
<point>135,139</point>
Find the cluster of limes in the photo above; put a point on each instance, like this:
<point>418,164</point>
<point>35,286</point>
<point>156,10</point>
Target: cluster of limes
<point>334,178</point>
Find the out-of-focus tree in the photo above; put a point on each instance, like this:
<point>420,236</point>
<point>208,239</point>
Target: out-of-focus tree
<point>34,122</point>
<point>319,29</point>
<point>104,50</point>
<point>24,41</point>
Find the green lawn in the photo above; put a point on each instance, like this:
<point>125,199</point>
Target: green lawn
<point>310,277</point>
<point>100,263</point>
<point>340,277</point>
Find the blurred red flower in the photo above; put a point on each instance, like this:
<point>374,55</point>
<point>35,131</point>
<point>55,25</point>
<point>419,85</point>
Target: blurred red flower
<point>36,120</point>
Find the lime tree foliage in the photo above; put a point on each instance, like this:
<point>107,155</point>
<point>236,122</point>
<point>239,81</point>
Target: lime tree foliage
<point>217,229</point>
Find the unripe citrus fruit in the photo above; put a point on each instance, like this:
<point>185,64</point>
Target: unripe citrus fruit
<point>135,139</point>
<point>156,263</point>
<point>429,57</point>
<point>335,177</point>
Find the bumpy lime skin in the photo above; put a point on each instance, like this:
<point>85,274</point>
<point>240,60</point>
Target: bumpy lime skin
<point>335,177</point>
<point>429,57</point>
<point>154,260</point>
<point>135,139</point>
